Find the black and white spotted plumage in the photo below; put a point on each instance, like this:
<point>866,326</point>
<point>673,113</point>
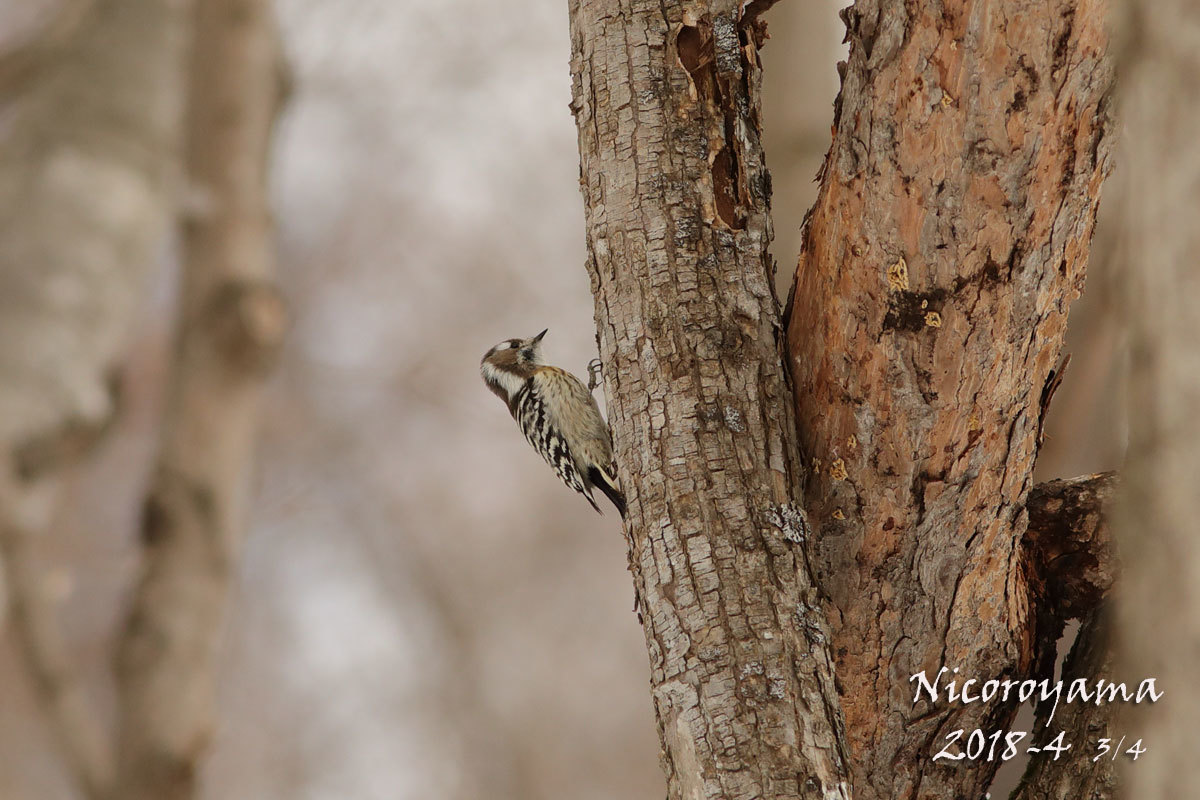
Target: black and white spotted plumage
<point>558,416</point>
<point>534,420</point>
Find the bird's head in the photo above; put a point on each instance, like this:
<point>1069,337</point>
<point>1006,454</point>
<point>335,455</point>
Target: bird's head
<point>517,355</point>
<point>507,366</point>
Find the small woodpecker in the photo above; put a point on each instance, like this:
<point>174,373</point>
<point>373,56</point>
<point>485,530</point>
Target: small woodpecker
<point>558,416</point>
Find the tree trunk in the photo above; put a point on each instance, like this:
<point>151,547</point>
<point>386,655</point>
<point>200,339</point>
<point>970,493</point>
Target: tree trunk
<point>232,320</point>
<point>1157,525</point>
<point>950,235</point>
<point>87,178</point>
<point>676,193</point>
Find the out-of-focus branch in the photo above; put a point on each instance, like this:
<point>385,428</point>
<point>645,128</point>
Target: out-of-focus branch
<point>231,326</point>
<point>1067,549</point>
<point>85,744</point>
<point>502,771</point>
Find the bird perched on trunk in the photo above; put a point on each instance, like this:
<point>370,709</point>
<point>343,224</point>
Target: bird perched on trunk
<point>558,416</point>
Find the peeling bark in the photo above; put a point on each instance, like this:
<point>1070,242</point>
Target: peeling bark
<point>666,99</point>
<point>950,235</point>
<point>232,321</point>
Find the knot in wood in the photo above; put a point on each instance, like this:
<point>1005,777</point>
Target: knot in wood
<point>248,321</point>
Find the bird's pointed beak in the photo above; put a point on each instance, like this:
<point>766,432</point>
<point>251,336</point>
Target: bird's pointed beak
<point>538,338</point>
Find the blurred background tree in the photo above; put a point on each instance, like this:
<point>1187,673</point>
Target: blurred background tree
<point>89,168</point>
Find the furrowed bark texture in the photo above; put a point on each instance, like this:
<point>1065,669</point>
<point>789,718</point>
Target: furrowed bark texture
<point>950,234</point>
<point>1157,526</point>
<point>232,320</point>
<point>676,196</point>
<point>89,152</point>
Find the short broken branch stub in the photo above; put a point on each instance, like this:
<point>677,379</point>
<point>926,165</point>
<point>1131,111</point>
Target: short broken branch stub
<point>249,320</point>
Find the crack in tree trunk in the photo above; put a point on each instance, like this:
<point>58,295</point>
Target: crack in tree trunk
<point>1082,724</point>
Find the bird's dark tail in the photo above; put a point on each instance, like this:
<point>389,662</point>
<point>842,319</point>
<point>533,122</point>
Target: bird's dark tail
<point>607,483</point>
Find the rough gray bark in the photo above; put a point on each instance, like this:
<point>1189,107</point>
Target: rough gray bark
<point>950,235</point>
<point>87,164</point>
<point>665,97</point>
<point>232,320</point>
<point>1157,527</point>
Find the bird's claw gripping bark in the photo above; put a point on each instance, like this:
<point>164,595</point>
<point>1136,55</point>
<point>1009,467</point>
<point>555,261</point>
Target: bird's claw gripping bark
<point>595,370</point>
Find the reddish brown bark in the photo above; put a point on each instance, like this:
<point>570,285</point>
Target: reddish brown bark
<point>950,235</point>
